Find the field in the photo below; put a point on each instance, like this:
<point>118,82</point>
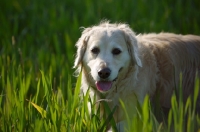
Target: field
<point>38,91</point>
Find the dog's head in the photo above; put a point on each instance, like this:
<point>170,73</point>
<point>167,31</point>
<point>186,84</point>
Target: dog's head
<point>106,52</point>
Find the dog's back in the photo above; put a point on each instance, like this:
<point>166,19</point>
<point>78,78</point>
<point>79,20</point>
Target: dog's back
<point>174,54</point>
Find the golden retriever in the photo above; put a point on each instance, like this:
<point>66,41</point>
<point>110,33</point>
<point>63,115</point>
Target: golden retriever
<point>121,65</point>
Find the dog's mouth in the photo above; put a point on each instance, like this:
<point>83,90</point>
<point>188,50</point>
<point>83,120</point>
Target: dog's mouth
<point>104,85</point>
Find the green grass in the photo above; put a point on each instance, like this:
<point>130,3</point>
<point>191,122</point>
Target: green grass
<point>38,91</point>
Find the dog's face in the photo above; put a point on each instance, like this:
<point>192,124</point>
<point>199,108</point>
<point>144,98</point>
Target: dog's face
<point>106,56</point>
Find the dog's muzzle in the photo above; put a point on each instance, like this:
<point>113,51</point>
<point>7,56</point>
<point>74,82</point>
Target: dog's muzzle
<point>104,84</point>
<point>104,73</point>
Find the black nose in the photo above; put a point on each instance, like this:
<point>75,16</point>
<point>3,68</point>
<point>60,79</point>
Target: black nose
<point>104,73</point>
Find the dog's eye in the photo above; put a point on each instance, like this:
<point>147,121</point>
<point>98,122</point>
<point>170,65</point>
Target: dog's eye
<point>95,50</point>
<point>116,51</point>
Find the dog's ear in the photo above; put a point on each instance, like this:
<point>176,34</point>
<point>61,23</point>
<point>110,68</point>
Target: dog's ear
<point>132,44</point>
<point>81,48</point>
<point>133,50</point>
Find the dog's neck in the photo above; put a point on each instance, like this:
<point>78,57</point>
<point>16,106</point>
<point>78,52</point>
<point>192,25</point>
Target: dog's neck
<point>119,91</point>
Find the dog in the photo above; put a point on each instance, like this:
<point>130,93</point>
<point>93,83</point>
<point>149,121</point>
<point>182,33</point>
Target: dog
<point>120,65</point>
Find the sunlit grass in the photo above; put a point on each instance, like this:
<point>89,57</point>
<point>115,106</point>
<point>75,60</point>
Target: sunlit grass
<point>54,113</point>
<point>38,91</point>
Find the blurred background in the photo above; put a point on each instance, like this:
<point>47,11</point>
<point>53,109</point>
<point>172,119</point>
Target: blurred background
<point>40,35</point>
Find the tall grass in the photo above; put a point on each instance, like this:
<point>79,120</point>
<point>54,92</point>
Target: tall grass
<point>54,113</point>
<point>38,91</point>
<point>182,116</point>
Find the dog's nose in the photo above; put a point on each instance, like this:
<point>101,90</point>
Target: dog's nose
<point>104,73</point>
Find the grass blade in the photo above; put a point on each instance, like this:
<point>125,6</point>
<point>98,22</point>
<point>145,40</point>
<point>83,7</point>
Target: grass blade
<point>39,109</point>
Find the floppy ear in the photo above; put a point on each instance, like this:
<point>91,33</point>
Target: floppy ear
<point>133,50</point>
<point>81,47</point>
<point>132,44</point>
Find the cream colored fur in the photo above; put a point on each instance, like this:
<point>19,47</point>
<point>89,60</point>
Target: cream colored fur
<point>151,62</point>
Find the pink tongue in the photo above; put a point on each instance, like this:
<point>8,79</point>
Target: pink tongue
<point>103,85</point>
